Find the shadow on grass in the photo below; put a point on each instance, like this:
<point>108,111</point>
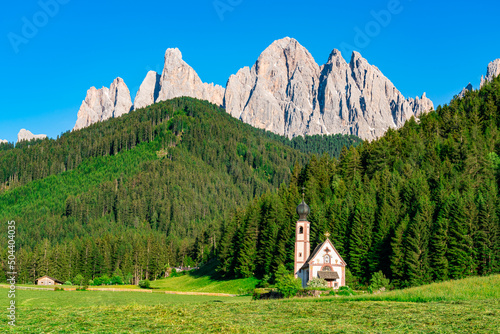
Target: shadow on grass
<point>209,270</point>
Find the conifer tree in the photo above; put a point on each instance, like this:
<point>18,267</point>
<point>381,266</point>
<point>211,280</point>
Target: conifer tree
<point>398,254</point>
<point>459,251</point>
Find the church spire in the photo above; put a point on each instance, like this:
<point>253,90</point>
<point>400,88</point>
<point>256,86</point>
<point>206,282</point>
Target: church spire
<point>303,209</point>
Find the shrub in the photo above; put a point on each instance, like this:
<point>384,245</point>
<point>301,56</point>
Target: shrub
<point>68,283</point>
<point>144,284</point>
<point>78,279</point>
<point>116,280</point>
<point>288,285</point>
<point>82,288</point>
<point>176,273</point>
<point>58,289</point>
<point>345,291</point>
<point>265,283</point>
<point>105,280</point>
<point>317,282</point>
<point>352,280</point>
<point>378,282</point>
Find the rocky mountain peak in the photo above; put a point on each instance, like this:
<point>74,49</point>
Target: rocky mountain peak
<point>148,91</point>
<point>492,71</point>
<point>3,141</point>
<point>27,135</point>
<point>286,92</point>
<point>335,57</point>
<point>104,103</point>
<point>180,79</point>
<point>466,89</point>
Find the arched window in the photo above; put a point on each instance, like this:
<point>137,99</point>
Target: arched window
<point>327,258</point>
<point>326,268</point>
<point>301,230</point>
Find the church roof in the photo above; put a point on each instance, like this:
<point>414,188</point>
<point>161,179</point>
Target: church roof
<point>316,251</point>
<point>328,274</point>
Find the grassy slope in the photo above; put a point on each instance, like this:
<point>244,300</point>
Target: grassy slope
<point>472,288</point>
<point>204,280</point>
<point>463,310</point>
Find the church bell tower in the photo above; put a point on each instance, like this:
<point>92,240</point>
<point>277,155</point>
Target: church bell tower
<point>302,232</point>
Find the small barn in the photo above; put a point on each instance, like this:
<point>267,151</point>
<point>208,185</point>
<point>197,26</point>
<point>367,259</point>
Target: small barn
<point>46,280</point>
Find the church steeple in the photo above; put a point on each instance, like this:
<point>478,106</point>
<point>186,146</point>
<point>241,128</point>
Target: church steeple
<point>303,210</point>
<point>302,232</point>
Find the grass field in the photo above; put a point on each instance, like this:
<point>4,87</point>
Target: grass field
<point>203,280</point>
<point>466,306</point>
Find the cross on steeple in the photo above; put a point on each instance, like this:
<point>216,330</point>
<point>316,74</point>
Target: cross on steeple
<point>303,193</point>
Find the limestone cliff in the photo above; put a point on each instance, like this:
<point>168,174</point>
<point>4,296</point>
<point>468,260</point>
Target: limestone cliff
<point>288,93</point>
<point>104,103</point>
<point>492,71</point>
<point>27,135</point>
<point>180,79</point>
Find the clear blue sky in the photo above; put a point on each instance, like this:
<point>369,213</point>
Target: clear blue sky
<point>431,46</point>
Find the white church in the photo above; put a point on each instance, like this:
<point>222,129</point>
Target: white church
<point>324,262</point>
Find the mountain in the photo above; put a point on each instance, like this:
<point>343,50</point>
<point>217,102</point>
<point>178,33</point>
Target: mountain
<point>104,103</point>
<point>25,135</point>
<point>464,91</point>
<point>3,141</point>
<point>285,92</point>
<point>419,204</point>
<point>288,93</point>
<point>148,91</point>
<point>492,72</point>
<point>177,79</point>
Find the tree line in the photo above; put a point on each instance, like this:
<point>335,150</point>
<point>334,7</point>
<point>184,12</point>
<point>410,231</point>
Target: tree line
<point>419,204</point>
<point>174,172</point>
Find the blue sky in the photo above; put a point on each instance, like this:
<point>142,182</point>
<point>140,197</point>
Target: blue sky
<point>431,46</point>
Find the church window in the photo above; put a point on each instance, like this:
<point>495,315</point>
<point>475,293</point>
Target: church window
<point>327,258</point>
<point>301,230</point>
<point>300,254</point>
<point>326,268</point>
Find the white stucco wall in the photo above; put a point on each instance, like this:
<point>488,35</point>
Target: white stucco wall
<point>335,261</point>
<point>46,281</point>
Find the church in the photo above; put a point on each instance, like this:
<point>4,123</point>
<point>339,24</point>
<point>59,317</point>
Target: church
<point>324,262</point>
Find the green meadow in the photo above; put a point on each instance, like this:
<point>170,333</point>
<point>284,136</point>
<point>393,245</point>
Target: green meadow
<point>464,306</point>
<point>205,280</point>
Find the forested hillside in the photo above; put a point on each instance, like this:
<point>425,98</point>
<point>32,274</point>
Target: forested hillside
<point>140,192</point>
<point>420,204</point>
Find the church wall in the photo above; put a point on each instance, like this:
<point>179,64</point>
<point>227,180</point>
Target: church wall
<point>334,262</point>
